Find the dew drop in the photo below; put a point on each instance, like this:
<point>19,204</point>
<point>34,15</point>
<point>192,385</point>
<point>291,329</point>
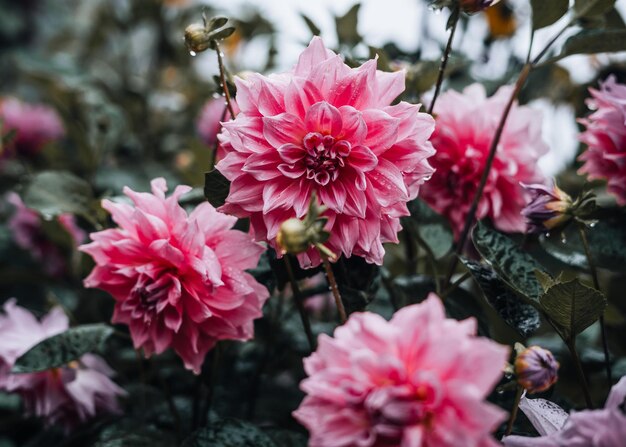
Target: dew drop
<point>222,54</point>
<point>563,239</point>
<point>192,53</point>
<point>548,234</point>
<point>593,224</point>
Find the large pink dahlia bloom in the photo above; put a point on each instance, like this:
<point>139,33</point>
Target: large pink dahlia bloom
<point>67,395</point>
<point>419,380</point>
<point>466,125</point>
<point>327,128</point>
<point>605,137</point>
<point>178,280</point>
<point>34,126</point>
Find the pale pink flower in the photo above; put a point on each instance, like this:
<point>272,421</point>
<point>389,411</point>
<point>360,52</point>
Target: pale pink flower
<point>35,125</point>
<point>589,428</point>
<point>327,128</point>
<point>419,380</point>
<point>605,136</point>
<point>179,280</point>
<point>25,224</point>
<point>68,395</point>
<point>466,125</point>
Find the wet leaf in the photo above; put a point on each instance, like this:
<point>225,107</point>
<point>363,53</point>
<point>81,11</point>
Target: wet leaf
<point>229,433</point>
<point>514,266</point>
<point>521,316</point>
<point>216,188</point>
<point>432,228</point>
<point>572,307</point>
<point>545,13</point>
<point>57,192</point>
<point>63,348</point>
<point>607,243</point>
<point>594,41</point>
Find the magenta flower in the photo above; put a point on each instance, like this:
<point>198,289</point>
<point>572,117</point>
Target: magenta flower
<point>605,136</point>
<point>178,280</point>
<point>589,428</point>
<point>418,380</point>
<point>34,126</point>
<point>466,125</point>
<point>327,128</point>
<point>536,369</point>
<point>549,208</point>
<point>25,224</point>
<point>68,395</point>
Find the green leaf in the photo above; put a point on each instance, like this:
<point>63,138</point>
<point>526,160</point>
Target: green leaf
<point>229,433</point>
<point>521,316</point>
<point>63,348</point>
<point>594,41</point>
<point>588,8</point>
<point>607,243</point>
<point>572,307</point>
<point>432,228</point>
<point>311,25</point>
<point>57,192</point>
<point>346,27</point>
<point>546,12</point>
<point>216,187</point>
<point>514,266</point>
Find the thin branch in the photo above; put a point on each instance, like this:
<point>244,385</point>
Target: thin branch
<point>220,62</point>
<point>518,396</point>
<point>332,282</point>
<point>571,345</point>
<point>444,59</point>
<point>297,295</point>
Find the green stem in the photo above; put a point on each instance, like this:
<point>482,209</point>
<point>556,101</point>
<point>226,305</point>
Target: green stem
<point>444,59</point>
<point>596,285</point>
<point>571,345</point>
<point>220,62</point>
<point>518,397</point>
<point>456,284</point>
<point>297,295</point>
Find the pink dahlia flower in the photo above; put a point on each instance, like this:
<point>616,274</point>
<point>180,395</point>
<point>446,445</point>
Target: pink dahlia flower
<point>605,136</point>
<point>178,280</point>
<point>419,380</point>
<point>589,428</point>
<point>25,224</point>
<point>466,125</point>
<point>35,125</point>
<point>68,395</point>
<point>327,128</point>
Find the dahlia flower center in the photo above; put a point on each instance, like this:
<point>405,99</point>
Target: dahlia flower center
<point>147,293</point>
<point>325,156</point>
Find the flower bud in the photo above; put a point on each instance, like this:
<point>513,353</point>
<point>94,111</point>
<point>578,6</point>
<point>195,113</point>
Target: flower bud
<point>536,369</point>
<point>196,38</point>
<point>293,236</point>
<point>549,208</point>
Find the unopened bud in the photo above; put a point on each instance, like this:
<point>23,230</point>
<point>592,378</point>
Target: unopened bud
<point>196,38</point>
<point>549,208</point>
<point>536,369</point>
<point>293,236</point>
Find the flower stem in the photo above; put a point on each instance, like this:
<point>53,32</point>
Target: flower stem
<point>469,220</point>
<point>208,400</point>
<point>444,59</point>
<point>297,295</point>
<point>455,285</point>
<point>330,276</point>
<point>596,285</point>
<point>220,62</point>
<point>571,345</point>
<point>518,396</point>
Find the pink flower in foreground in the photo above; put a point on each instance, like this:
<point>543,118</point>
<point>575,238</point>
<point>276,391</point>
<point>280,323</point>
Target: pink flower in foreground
<point>589,428</point>
<point>35,125</point>
<point>25,224</point>
<point>605,136</point>
<point>419,380</point>
<point>68,395</point>
<point>327,128</point>
<point>178,280</point>
<point>466,125</point>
